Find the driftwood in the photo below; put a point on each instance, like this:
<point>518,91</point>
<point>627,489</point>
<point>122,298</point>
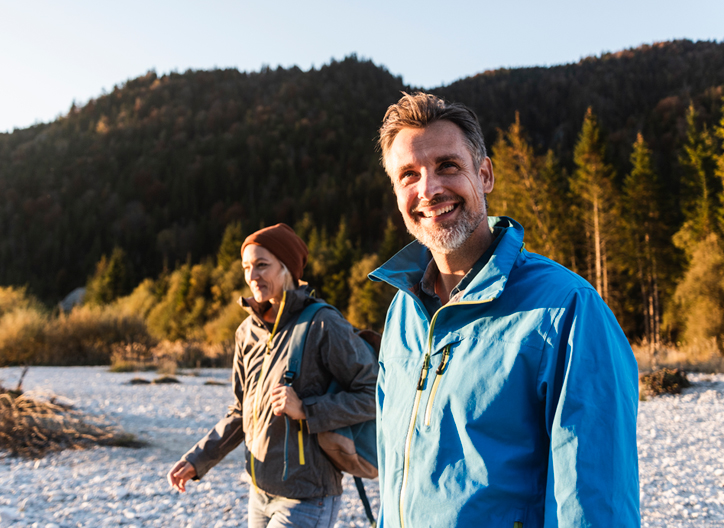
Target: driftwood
<point>32,428</point>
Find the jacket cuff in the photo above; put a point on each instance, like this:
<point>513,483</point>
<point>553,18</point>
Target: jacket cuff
<point>196,460</point>
<point>314,424</point>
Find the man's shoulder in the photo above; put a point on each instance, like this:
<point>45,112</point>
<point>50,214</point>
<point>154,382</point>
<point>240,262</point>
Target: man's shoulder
<point>540,272</point>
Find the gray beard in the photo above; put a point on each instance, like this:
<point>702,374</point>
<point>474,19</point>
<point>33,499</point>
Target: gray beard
<point>445,239</point>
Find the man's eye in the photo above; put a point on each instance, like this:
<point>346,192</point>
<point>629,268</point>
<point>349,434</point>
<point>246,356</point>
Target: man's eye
<point>448,165</point>
<point>406,176</point>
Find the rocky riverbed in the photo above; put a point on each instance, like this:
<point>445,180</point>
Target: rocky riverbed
<point>680,453</point>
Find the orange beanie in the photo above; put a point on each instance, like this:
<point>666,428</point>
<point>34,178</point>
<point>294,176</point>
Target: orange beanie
<point>284,243</point>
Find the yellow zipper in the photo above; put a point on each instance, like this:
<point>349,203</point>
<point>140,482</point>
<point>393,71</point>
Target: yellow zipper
<point>438,376</point>
<point>262,374</point>
<point>301,444</point>
<point>411,428</point>
<point>418,395</point>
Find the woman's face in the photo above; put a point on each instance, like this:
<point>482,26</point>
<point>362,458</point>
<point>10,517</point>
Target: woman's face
<point>263,273</point>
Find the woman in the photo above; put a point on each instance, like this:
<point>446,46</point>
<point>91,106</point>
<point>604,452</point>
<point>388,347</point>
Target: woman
<point>293,482</point>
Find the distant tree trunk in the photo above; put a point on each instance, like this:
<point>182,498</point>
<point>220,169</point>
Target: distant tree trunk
<point>654,307</point>
<point>644,294</point>
<point>597,246</point>
<point>589,257</point>
<point>604,266</point>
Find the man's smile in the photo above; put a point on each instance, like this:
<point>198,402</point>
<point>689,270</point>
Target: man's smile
<point>432,213</point>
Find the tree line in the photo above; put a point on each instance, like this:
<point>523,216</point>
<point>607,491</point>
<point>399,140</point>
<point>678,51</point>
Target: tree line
<point>613,165</point>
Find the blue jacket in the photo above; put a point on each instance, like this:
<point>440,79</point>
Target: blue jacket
<point>515,404</point>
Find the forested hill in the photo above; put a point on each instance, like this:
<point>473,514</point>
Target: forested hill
<point>646,89</point>
<point>161,165</point>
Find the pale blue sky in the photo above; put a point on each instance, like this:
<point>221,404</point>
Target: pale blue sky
<point>53,52</point>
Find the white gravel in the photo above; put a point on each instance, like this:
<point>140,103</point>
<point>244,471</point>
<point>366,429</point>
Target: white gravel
<point>680,453</point>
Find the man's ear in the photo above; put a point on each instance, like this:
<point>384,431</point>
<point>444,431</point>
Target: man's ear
<point>486,175</point>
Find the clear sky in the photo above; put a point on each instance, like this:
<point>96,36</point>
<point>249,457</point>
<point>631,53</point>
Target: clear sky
<point>53,52</point>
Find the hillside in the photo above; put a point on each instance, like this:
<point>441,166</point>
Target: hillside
<point>162,164</point>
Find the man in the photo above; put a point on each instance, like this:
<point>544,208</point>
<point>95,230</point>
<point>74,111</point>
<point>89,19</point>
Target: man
<point>507,394</point>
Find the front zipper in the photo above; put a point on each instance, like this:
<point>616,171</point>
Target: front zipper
<point>438,376</point>
<point>418,395</point>
<point>260,380</point>
<point>408,442</point>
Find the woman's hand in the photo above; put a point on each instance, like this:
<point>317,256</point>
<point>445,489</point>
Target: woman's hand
<point>285,401</point>
<point>179,474</point>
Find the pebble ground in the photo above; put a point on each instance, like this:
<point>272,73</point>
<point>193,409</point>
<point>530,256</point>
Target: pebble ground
<point>680,456</point>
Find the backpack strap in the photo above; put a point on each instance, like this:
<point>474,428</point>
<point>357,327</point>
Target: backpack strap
<point>294,360</point>
<point>299,339</point>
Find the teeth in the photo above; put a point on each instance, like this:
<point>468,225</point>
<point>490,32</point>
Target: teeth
<point>438,212</point>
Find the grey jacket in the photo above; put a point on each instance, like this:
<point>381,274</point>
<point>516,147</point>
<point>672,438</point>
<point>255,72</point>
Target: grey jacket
<point>332,351</point>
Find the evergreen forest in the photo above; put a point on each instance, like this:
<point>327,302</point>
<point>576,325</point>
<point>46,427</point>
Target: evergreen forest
<point>614,165</point>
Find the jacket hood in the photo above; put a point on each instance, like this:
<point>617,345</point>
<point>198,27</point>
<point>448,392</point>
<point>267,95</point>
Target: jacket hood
<point>405,270</point>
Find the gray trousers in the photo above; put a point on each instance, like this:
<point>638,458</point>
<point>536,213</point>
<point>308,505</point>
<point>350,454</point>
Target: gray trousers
<point>268,511</point>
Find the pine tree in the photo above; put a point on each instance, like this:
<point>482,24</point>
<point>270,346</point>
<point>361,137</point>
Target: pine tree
<point>335,287</point>
<point>719,170</point>
<point>522,190</point>
<point>230,245</point>
<point>644,228</point>
<point>700,190</point>
<point>390,243</point>
<point>112,279</point>
<point>591,184</point>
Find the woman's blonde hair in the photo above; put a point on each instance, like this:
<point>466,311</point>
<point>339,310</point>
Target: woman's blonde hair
<point>288,279</point>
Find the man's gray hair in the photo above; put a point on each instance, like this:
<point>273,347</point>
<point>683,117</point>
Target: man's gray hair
<point>420,110</point>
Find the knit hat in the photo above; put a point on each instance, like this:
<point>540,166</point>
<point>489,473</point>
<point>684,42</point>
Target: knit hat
<point>284,243</point>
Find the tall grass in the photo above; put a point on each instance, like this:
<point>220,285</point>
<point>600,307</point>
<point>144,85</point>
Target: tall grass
<point>703,355</point>
<point>86,336</point>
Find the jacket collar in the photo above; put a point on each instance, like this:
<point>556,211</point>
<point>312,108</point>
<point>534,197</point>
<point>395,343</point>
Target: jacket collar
<point>404,271</point>
<point>295,301</point>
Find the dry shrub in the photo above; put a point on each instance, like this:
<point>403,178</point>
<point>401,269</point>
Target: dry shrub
<point>220,355</point>
<point>698,307</point>
<point>131,357</point>
<point>13,298</point>
<point>664,381</point>
<point>193,354</point>
<point>32,428</point>
<point>22,336</point>
<point>223,327</point>
<point>700,356</point>
<point>88,335</point>
<point>140,302</point>
<point>167,366</point>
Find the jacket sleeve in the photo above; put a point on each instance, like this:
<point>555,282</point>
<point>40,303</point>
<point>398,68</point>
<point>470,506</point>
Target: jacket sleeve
<point>227,434</point>
<point>590,385</point>
<point>352,364</point>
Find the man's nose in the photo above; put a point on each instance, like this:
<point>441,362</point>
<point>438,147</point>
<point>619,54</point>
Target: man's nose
<point>429,184</point>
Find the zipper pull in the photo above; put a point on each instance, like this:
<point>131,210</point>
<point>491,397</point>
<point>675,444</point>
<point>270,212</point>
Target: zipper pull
<point>423,372</point>
<point>443,362</point>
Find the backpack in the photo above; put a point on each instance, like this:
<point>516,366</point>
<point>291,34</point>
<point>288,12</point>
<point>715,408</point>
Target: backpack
<point>352,449</point>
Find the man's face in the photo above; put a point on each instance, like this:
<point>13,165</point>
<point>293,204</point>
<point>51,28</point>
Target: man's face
<point>440,192</point>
